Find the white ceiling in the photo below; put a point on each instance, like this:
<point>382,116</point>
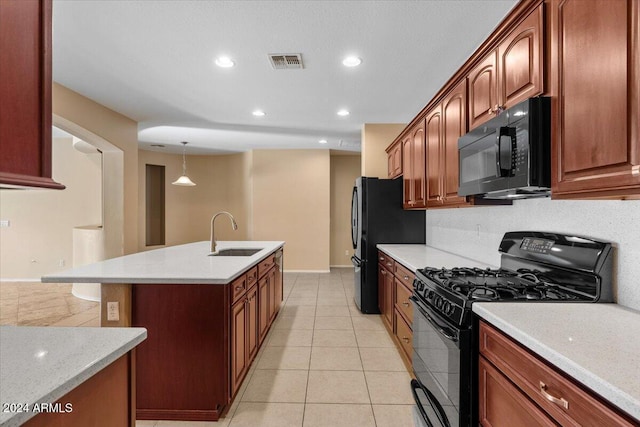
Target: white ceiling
<point>153,62</point>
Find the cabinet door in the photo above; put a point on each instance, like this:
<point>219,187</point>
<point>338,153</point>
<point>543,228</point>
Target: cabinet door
<point>388,298</point>
<point>25,91</point>
<point>263,304</point>
<point>520,65</point>
<point>596,145</point>
<point>238,344</point>
<point>483,85</point>
<point>433,125</point>
<point>382,272</point>
<point>419,172</point>
<point>502,404</point>
<point>252,323</point>
<point>454,125</point>
<point>407,172</point>
<point>272,294</point>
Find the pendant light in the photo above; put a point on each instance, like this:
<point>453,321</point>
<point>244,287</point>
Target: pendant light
<point>184,179</point>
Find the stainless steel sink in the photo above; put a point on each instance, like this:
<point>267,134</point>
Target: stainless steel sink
<point>236,252</point>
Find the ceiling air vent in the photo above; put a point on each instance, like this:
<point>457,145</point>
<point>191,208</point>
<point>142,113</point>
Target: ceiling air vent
<point>349,145</point>
<point>286,61</point>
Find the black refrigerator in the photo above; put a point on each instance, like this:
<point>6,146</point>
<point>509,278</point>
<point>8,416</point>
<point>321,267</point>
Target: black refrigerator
<point>377,217</point>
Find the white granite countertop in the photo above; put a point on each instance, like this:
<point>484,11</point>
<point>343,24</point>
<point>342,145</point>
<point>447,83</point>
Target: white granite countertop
<point>188,263</point>
<point>42,364</point>
<point>419,256</point>
<point>596,344</point>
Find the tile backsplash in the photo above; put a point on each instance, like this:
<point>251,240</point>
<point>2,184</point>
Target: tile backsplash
<point>476,232</point>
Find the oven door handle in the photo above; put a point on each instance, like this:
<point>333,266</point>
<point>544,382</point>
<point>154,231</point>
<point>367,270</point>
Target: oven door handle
<point>450,337</point>
<point>442,417</point>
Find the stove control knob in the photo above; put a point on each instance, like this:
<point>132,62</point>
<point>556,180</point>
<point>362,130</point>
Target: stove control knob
<point>439,302</point>
<point>446,307</point>
<point>430,295</point>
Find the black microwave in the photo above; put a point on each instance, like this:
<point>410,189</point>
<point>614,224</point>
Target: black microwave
<point>508,157</point>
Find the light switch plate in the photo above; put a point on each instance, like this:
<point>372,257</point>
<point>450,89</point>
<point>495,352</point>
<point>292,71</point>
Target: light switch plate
<point>4,223</point>
<point>113,311</point>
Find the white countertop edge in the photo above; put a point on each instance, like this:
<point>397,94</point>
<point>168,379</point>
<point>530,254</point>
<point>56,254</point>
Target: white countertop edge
<point>84,274</point>
<point>400,252</point>
<point>596,384</point>
<point>17,419</point>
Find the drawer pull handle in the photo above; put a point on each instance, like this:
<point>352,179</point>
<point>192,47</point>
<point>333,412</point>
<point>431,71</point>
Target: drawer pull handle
<point>406,304</point>
<point>406,277</point>
<point>381,258</point>
<point>239,288</point>
<point>557,400</point>
<point>405,339</point>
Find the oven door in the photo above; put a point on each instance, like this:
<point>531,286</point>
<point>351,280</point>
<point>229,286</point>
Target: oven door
<point>442,364</point>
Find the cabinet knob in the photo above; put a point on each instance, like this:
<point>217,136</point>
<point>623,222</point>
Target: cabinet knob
<point>406,277</point>
<point>406,304</point>
<point>239,288</point>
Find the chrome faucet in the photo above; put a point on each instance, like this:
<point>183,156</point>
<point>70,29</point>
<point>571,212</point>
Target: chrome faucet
<point>213,218</point>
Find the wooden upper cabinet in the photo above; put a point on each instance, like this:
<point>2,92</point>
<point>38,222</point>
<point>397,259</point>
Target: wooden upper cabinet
<point>596,76</point>
<point>414,167</point>
<point>445,123</point>
<point>454,125</point>
<point>25,91</point>
<point>433,125</point>
<point>483,87</point>
<point>510,73</point>
<point>520,61</point>
<point>394,160</point>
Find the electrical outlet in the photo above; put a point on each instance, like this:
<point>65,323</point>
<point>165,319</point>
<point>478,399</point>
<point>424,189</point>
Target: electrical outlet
<point>346,252</point>
<point>4,223</point>
<point>61,263</point>
<point>113,311</point>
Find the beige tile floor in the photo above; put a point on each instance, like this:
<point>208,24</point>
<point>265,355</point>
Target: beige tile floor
<point>45,304</point>
<point>323,363</point>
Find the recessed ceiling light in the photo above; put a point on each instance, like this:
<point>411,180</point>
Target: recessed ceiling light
<point>157,145</point>
<point>323,141</point>
<point>351,61</point>
<point>224,62</point>
<point>343,113</point>
<point>258,113</point>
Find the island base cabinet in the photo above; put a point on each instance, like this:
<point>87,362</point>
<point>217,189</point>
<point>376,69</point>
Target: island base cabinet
<point>105,400</point>
<point>183,366</point>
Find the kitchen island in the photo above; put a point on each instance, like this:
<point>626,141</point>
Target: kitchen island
<point>67,376</point>
<point>206,317</point>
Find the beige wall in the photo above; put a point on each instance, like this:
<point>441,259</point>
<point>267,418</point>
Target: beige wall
<point>219,186</point>
<point>118,130</point>
<point>375,139</point>
<point>40,235</point>
<point>291,202</point>
<point>344,171</point>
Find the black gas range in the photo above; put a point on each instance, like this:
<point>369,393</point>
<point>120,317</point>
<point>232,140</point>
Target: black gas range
<point>535,267</point>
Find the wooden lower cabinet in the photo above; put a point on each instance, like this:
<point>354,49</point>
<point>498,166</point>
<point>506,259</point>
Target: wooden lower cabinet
<point>201,341</point>
<point>106,399</point>
<point>518,388</point>
<point>502,404</point>
<point>395,286</point>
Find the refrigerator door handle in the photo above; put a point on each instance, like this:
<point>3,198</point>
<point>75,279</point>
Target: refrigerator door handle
<point>354,217</point>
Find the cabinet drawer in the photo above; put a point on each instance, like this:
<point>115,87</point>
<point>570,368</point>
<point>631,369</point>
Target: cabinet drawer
<point>404,334</point>
<point>238,287</point>
<point>403,274</point>
<point>502,404</point>
<point>252,277</point>
<point>386,261</point>
<point>562,398</point>
<point>403,305</point>
<point>266,264</point>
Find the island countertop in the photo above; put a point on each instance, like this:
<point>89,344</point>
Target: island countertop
<point>189,263</point>
<point>42,364</point>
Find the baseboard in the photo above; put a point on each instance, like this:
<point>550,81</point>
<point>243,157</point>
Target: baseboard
<point>20,280</point>
<point>307,271</point>
<point>342,266</point>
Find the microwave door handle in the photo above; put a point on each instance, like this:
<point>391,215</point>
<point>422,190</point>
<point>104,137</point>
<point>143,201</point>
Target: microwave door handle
<point>442,417</point>
<point>509,133</point>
